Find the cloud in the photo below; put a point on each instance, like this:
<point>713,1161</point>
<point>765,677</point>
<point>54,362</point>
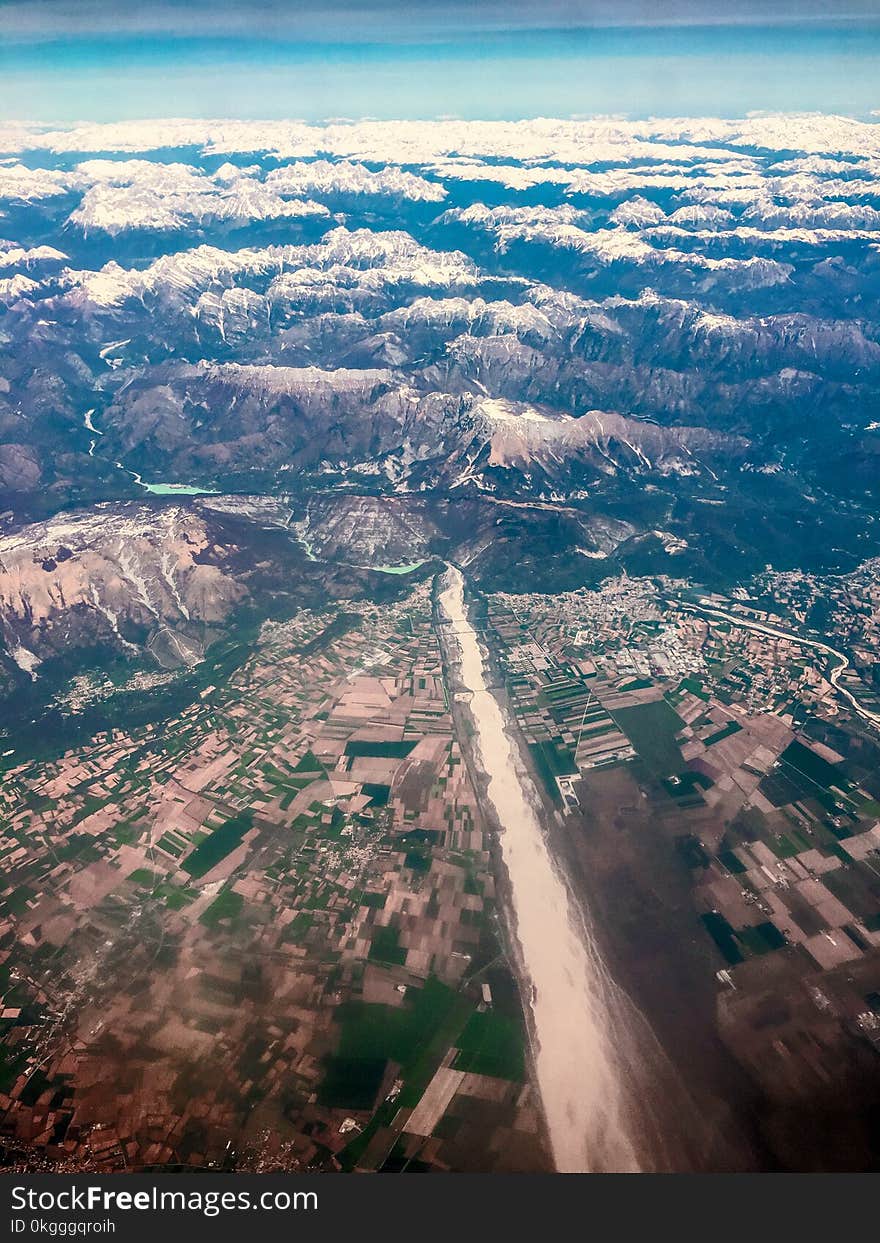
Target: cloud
<point>393,20</point>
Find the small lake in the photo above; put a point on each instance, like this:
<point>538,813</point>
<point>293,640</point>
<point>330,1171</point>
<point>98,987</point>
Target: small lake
<point>176,489</point>
<point>396,569</point>
<point>167,489</point>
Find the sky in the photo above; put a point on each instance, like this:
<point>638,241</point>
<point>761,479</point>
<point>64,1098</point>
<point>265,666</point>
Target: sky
<point>63,61</point>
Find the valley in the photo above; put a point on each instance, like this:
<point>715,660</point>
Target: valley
<point>439,631</point>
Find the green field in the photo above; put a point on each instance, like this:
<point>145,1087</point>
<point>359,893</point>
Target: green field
<point>380,750</point>
<point>227,905</point>
<point>492,1044</point>
<point>651,728</point>
<point>384,946</point>
<point>817,770</point>
<point>218,844</point>
<point>415,1035</point>
<point>551,763</point>
<point>351,1082</point>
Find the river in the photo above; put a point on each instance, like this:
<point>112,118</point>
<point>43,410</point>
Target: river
<point>773,632</point>
<point>579,1027</point>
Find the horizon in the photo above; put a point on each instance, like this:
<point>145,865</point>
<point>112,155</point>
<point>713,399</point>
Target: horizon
<point>637,70</point>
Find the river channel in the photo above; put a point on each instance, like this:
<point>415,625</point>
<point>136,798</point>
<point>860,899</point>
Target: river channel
<point>576,1028</point>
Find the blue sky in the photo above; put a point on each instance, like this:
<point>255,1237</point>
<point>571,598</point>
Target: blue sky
<point>64,61</point>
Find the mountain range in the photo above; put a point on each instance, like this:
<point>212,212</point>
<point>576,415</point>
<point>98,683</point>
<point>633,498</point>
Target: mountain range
<point>552,349</point>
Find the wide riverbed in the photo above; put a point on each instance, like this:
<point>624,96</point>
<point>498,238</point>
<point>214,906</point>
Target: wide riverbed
<point>577,1030</point>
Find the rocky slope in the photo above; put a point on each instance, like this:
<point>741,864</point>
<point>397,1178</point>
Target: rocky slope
<point>132,579</point>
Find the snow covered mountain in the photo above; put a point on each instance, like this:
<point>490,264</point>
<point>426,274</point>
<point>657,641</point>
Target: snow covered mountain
<point>524,340</point>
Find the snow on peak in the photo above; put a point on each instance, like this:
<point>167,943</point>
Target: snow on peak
<point>500,411</point>
<point>14,287</point>
<point>346,177</point>
<point>636,213</point>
